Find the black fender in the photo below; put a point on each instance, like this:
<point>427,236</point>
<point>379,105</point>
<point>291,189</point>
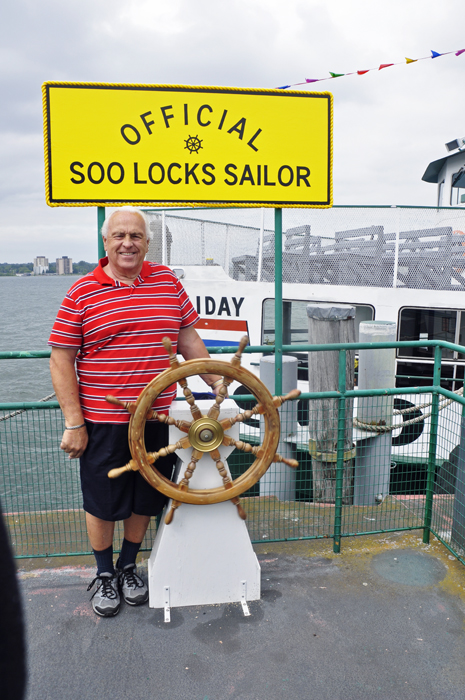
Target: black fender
<point>411,432</point>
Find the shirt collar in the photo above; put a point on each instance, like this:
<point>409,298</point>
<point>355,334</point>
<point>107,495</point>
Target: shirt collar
<point>102,277</point>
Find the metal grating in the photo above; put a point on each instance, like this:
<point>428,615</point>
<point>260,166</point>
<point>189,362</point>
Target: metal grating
<point>353,246</point>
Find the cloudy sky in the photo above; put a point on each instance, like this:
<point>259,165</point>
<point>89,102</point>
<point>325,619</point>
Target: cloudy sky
<point>388,124</point>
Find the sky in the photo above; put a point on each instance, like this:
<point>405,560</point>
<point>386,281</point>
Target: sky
<point>388,124</point>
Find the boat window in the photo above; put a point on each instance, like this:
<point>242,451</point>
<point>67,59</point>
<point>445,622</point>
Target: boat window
<point>428,324</point>
<point>295,324</point>
<point>457,188</point>
<point>421,374</point>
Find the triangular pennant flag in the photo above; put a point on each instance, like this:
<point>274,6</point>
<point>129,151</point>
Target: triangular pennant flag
<point>434,54</point>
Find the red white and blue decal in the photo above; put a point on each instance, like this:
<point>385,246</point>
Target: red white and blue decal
<point>218,332</point>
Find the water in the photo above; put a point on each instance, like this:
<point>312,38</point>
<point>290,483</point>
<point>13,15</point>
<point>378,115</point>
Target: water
<point>27,311</point>
<point>35,474</point>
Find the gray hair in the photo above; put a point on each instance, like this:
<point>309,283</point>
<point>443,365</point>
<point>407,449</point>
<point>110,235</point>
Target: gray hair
<point>132,210</point>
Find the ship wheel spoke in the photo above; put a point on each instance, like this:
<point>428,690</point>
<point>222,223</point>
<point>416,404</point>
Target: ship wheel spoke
<point>181,444</point>
<point>182,425</point>
<point>257,450</point>
<point>258,409</point>
<point>174,364</point>
<point>214,411</point>
<point>227,482</point>
<point>184,483</point>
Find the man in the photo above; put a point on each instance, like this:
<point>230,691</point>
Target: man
<point>111,324</point>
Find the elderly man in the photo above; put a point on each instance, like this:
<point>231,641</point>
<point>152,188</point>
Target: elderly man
<point>111,325</point>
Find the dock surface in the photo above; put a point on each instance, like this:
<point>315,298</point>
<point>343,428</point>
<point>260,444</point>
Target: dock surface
<point>383,619</point>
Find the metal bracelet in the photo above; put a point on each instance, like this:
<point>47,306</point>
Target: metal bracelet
<point>75,427</point>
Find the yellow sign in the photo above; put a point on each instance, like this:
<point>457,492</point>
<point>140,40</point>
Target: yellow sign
<point>159,144</point>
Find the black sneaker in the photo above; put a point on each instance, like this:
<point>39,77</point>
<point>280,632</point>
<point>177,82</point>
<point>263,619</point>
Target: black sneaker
<point>132,587</point>
<point>105,599</point>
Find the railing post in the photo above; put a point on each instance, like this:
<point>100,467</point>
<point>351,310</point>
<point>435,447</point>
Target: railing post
<point>433,439</point>
<point>341,425</point>
<point>278,296</point>
<point>100,220</point>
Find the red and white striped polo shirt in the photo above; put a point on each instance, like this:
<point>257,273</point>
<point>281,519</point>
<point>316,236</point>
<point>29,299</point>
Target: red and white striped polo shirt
<point>118,330</point>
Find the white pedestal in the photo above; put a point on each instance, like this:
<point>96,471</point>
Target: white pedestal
<point>205,555</point>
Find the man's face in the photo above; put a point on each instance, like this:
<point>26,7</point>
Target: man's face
<point>126,243</point>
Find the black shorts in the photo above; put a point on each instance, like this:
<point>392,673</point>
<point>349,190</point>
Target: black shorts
<point>116,499</point>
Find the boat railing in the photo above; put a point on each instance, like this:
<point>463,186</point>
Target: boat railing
<point>40,489</point>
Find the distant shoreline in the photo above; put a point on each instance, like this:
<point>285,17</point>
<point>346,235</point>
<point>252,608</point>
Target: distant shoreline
<point>48,274</point>
<point>26,269</point>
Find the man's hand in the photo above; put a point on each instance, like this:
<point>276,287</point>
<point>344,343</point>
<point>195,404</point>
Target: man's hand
<point>74,442</point>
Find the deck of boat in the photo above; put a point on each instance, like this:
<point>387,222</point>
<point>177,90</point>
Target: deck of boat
<point>383,619</point>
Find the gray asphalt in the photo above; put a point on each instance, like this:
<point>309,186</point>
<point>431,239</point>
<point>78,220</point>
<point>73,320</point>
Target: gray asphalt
<point>384,619</point>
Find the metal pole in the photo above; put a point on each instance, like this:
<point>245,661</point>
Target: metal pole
<point>278,294</point>
<point>341,425</point>
<point>227,264</point>
<point>396,249</point>
<point>260,246</point>
<point>376,370</point>
<point>100,221</point>
<point>202,243</point>
<point>163,238</point>
<point>456,484</point>
<point>433,439</point>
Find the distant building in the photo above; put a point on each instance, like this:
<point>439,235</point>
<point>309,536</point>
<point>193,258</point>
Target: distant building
<point>64,266</point>
<point>40,265</point>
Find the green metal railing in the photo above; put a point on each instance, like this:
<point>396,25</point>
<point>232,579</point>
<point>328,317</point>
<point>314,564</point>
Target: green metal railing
<point>40,490</point>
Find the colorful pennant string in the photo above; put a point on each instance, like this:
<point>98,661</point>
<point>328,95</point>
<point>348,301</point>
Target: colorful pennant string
<point>434,54</point>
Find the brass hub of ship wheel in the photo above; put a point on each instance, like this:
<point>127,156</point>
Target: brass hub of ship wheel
<point>204,434</point>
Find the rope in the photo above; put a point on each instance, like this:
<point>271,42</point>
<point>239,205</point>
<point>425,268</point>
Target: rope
<point>445,401</point>
<point>23,410</point>
<point>369,427</point>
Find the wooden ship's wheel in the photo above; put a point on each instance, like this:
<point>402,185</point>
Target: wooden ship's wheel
<point>205,433</point>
